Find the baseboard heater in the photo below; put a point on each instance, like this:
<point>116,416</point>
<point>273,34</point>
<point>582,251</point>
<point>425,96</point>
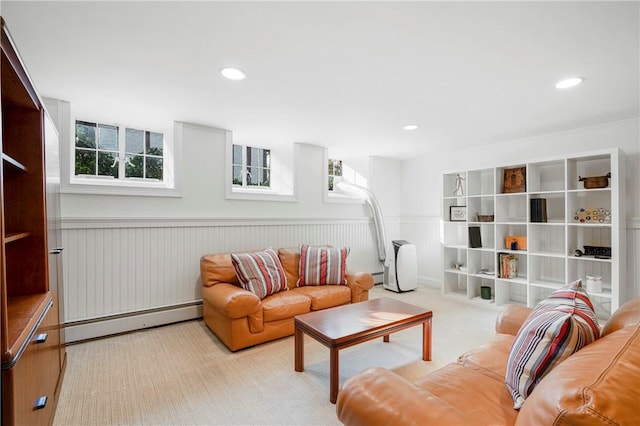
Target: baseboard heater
<point>378,277</point>
<point>79,331</point>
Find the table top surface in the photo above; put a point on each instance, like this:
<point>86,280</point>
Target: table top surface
<point>356,318</point>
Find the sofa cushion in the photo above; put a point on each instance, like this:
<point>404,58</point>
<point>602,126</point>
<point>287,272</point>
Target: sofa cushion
<point>490,358</point>
<point>217,268</point>
<point>598,385</point>
<point>325,296</point>
<point>290,260</point>
<point>557,327</point>
<point>261,273</point>
<point>627,315</point>
<point>322,265</point>
<point>473,392</point>
<point>283,305</point>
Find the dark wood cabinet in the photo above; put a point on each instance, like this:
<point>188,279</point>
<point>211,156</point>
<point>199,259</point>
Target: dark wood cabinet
<point>33,355</point>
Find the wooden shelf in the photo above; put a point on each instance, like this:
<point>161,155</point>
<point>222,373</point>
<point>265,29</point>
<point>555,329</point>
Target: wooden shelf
<point>15,236</point>
<point>6,159</point>
<point>33,356</point>
<point>24,314</point>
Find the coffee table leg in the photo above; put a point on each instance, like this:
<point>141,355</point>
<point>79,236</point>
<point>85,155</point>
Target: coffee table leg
<point>385,338</point>
<point>426,340</point>
<point>299,350</point>
<point>333,375</point>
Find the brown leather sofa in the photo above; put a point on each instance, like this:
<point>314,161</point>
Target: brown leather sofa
<point>598,385</point>
<point>240,319</point>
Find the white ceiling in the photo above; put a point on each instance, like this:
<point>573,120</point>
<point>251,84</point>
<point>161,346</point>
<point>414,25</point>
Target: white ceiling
<point>346,75</point>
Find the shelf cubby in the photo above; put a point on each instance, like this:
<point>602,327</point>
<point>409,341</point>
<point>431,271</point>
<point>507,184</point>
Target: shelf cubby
<point>511,292</point>
<point>481,182</point>
<point>455,283</point>
<point>511,208</point>
<point>546,176</point>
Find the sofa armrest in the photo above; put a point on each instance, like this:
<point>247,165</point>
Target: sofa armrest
<point>511,319</point>
<point>380,397</point>
<point>360,283</point>
<point>231,300</point>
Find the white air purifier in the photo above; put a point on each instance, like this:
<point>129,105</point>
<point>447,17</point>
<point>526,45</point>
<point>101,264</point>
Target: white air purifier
<point>405,265</point>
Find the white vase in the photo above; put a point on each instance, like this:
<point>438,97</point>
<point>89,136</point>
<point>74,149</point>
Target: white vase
<point>594,284</point>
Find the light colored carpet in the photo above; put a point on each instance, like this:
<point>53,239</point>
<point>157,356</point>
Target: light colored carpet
<point>182,375</point>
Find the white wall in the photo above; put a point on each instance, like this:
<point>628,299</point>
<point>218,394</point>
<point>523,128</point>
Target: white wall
<point>422,183</point>
<point>422,177</point>
<point>203,192</point>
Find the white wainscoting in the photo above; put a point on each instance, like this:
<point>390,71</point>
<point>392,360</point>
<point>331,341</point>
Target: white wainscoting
<point>126,274</point>
<point>424,232</point>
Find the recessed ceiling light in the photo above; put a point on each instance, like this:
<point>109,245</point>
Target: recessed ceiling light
<point>411,126</point>
<point>233,73</point>
<point>569,82</point>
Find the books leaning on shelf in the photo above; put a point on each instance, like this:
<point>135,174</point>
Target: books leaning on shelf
<point>507,265</point>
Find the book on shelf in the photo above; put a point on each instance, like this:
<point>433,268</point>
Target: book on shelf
<point>507,265</point>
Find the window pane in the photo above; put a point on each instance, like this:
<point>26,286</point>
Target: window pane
<point>85,162</point>
<point>237,175</point>
<point>253,177</point>
<point>266,158</point>
<point>330,167</point>
<point>337,167</point>
<point>107,137</point>
<point>254,157</point>
<point>330,183</point>
<point>258,176</point>
<point>154,168</point>
<point>85,135</point>
<point>266,178</point>
<point>134,166</point>
<point>154,143</point>
<point>237,155</point>
<point>134,141</point>
<point>107,164</point>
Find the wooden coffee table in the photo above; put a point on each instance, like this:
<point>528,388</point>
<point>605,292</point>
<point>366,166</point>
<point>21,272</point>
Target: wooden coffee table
<point>348,325</point>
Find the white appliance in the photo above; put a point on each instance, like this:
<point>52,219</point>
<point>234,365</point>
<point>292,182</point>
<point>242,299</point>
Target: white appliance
<point>405,265</point>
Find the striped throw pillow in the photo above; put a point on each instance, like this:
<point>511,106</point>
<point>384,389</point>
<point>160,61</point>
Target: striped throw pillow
<point>322,265</point>
<point>261,273</point>
<point>557,327</point>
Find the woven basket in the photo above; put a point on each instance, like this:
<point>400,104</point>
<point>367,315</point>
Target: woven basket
<point>484,217</point>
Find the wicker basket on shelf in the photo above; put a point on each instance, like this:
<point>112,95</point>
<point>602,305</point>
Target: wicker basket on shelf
<point>484,217</point>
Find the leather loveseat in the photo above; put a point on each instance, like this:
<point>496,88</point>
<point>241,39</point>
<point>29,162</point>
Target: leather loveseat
<point>241,319</point>
<point>597,385</point>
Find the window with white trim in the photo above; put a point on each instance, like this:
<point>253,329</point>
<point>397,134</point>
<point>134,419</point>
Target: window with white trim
<point>251,167</point>
<point>109,151</point>
<point>350,171</point>
<point>334,171</point>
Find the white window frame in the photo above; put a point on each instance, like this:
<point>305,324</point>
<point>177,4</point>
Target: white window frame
<point>334,196</point>
<point>257,193</point>
<point>121,154</point>
<point>334,176</point>
<point>244,168</point>
<point>97,185</point>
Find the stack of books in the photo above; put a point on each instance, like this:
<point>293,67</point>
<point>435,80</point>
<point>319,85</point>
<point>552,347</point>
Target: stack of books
<point>507,265</point>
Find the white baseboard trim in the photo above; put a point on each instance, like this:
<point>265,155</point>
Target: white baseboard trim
<point>86,330</point>
<point>422,280</point>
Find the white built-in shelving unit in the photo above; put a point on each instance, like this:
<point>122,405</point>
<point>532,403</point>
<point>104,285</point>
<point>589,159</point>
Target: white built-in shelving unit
<point>549,260</point>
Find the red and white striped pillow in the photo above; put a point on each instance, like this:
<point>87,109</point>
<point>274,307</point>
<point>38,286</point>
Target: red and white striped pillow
<point>322,265</point>
<point>261,273</point>
<point>557,327</point>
